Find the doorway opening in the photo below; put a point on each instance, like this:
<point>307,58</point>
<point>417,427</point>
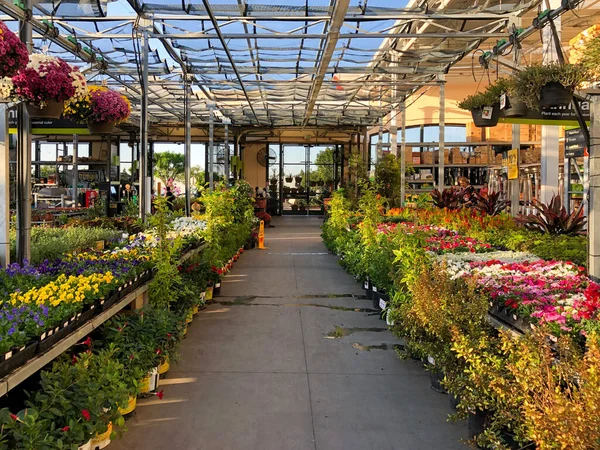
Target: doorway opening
<point>301,176</point>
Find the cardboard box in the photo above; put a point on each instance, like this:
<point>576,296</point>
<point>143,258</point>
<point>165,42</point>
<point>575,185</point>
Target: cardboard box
<point>416,157</point>
<point>446,156</point>
<point>427,158</point>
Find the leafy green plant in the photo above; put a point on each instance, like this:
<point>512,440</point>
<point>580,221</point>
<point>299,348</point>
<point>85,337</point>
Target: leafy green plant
<point>52,243</point>
<point>529,82</point>
<point>167,276</point>
<point>554,218</point>
<point>489,97</point>
<point>388,179</point>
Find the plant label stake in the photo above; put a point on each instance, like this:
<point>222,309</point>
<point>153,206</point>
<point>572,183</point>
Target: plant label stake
<point>261,236</point>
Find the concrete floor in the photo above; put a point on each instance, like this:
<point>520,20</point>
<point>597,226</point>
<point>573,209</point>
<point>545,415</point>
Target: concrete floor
<point>259,371</point>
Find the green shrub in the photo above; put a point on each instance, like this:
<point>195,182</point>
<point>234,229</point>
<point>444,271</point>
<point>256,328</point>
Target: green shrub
<point>52,243</point>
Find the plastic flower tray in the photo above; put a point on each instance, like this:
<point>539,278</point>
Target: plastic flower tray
<point>508,316</point>
<point>18,358</point>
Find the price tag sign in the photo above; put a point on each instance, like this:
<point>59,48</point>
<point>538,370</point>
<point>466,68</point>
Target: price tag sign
<point>503,101</point>
<point>486,112</point>
<point>382,304</point>
<point>513,164</point>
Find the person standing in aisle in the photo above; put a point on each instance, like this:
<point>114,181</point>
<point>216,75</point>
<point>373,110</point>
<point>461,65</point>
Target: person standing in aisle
<point>170,198</point>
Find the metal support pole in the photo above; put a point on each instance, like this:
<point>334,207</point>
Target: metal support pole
<point>403,156</point>
<point>75,171</point>
<point>211,130</point>
<point>594,192</point>
<point>23,182</point>
<point>514,184</point>
<point>226,122</point>
<point>188,147</point>
<point>4,187</point>
<point>145,194</point>
<point>442,130</point>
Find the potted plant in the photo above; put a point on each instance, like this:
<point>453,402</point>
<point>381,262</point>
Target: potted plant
<point>294,206</point>
<point>484,106</point>
<point>298,179</point>
<point>543,86</point>
<point>273,179</point>
<point>510,103</point>
<point>101,109</point>
<point>289,178</point>
<point>13,52</point>
<point>45,83</point>
<point>302,205</point>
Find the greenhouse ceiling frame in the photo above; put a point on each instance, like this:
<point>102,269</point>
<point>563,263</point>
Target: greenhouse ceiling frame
<point>268,65</point>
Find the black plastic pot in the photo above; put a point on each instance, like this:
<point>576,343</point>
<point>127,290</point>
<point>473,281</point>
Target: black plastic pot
<point>368,289</point>
<point>454,401</point>
<point>481,122</point>
<point>375,295</point>
<point>477,422</point>
<point>515,109</point>
<point>554,94</point>
<point>19,357</point>
<point>217,289</point>
<point>435,380</point>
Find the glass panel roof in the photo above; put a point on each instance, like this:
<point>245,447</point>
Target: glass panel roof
<point>269,63</point>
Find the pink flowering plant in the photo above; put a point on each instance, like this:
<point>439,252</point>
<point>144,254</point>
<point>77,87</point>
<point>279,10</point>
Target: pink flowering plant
<point>554,292</point>
<point>13,52</point>
<point>47,78</point>
<point>107,106</point>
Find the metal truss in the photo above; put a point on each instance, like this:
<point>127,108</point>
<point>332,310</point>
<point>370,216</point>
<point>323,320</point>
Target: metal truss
<point>267,65</point>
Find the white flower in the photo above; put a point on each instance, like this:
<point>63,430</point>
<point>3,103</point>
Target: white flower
<point>80,85</point>
<point>6,88</point>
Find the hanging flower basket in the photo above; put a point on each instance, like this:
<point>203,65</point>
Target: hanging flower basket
<point>51,110</point>
<point>101,128</point>
<point>554,94</point>
<point>47,80</point>
<point>13,53</point>
<point>101,109</point>
<point>515,108</point>
<point>486,116</point>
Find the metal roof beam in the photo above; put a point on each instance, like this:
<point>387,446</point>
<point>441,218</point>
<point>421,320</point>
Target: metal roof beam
<point>337,20</point>
<point>229,56</point>
<point>227,36</point>
<point>400,15</point>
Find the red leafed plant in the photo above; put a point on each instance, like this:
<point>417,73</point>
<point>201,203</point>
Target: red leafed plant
<point>491,205</point>
<point>554,218</point>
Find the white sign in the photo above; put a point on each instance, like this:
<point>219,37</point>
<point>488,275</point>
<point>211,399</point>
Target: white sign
<point>486,112</point>
<point>382,304</point>
<point>503,101</point>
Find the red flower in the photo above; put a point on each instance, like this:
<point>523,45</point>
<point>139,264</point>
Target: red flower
<point>87,342</point>
<point>131,356</point>
<point>65,429</point>
<point>158,351</point>
<point>14,417</point>
<point>86,414</point>
<point>74,359</point>
<point>160,394</point>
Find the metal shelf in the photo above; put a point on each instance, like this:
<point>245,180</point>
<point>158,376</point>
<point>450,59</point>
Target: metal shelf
<point>69,163</point>
<point>420,166</point>
<point>15,378</point>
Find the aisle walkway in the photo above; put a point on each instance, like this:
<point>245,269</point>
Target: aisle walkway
<point>289,359</point>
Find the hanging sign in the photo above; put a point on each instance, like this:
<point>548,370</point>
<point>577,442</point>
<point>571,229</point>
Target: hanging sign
<point>574,143</point>
<point>47,126</point>
<point>557,115</point>
<point>513,164</point>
